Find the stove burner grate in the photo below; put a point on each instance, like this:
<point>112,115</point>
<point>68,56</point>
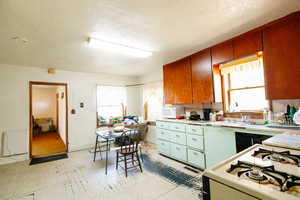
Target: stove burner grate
<point>265,174</point>
<point>256,175</point>
<point>283,157</point>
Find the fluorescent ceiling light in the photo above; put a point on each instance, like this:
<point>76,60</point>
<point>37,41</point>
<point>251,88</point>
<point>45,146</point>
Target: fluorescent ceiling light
<point>118,48</point>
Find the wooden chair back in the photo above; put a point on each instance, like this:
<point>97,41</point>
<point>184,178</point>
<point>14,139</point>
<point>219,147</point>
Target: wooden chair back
<point>129,141</point>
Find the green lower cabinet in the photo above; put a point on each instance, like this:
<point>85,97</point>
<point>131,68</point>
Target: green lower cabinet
<point>196,158</point>
<point>178,137</point>
<point>219,144</point>
<point>163,147</point>
<point>195,141</point>
<point>179,152</point>
<point>163,134</point>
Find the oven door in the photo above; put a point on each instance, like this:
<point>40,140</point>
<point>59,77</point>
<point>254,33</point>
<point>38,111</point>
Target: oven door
<point>245,140</point>
<point>213,190</point>
<point>219,191</point>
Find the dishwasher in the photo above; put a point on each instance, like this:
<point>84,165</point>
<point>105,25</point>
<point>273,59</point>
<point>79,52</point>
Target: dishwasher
<point>245,140</point>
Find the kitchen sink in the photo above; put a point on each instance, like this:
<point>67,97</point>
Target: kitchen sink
<point>284,127</point>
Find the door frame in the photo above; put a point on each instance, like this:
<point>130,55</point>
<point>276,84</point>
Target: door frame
<point>32,83</point>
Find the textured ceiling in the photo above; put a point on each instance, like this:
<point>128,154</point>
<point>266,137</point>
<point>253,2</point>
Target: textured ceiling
<point>56,30</point>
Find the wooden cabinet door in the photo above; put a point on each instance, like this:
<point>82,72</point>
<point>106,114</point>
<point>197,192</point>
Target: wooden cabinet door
<point>183,82</point>
<point>282,59</point>
<point>169,83</point>
<point>202,77</point>
<point>177,82</point>
<point>247,44</point>
<point>222,52</point>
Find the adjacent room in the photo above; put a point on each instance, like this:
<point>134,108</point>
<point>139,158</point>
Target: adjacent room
<point>150,100</point>
<point>49,118</point>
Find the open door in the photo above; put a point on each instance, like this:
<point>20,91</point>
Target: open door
<point>48,119</point>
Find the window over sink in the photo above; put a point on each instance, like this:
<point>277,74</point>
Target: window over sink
<point>243,85</point>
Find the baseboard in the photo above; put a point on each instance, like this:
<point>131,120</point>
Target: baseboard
<point>22,157</point>
<point>81,147</point>
<point>12,159</point>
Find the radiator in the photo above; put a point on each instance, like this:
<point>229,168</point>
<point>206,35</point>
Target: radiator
<point>14,142</point>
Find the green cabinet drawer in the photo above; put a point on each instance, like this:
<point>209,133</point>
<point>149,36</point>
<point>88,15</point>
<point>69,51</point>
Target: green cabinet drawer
<point>196,158</point>
<point>178,137</point>
<point>163,147</point>
<point>163,125</point>
<point>195,141</point>
<point>177,127</point>
<point>179,152</point>
<point>194,129</point>
<point>163,134</point>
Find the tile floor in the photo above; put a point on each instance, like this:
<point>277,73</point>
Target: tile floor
<point>79,178</point>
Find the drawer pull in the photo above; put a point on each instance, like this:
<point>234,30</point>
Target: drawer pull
<point>163,144</point>
<point>196,154</point>
<point>162,133</point>
<point>194,130</point>
<point>178,136</point>
<point>177,148</point>
<point>194,139</point>
<point>176,127</point>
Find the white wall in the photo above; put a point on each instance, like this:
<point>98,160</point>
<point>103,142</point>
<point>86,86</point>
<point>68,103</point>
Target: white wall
<point>62,112</point>
<point>134,100</point>
<point>14,100</point>
<point>154,76</point>
<point>44,103</point>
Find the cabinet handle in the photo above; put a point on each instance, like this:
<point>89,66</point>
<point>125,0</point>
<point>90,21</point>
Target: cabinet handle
<point>194,130</point>
<point>162,133</point>
<point>194,139</point>
<point>178,148</point>
<point>196,154</point>
<point>177,136</point>
<point>163,144</point>
<point>176,127</point>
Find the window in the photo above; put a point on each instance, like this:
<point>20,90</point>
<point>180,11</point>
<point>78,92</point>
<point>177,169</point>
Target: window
<point>153,100</point>
<point>111,102</point>
<point>243,85</point>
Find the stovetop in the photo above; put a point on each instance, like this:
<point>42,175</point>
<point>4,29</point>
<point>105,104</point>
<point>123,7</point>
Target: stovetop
<point>262,171</point>
<point>265,175</point>
<point>278,156</point>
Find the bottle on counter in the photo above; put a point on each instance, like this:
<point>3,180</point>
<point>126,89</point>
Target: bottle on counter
<point>213,117</point>
<point>265,113</point>
<point>297,117</point>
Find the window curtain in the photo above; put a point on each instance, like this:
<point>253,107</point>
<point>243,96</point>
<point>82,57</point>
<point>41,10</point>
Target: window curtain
<point>250,63</point>
<point>111,101</point>
<point>152,100</point>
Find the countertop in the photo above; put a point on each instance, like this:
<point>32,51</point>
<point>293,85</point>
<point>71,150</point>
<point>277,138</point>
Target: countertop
<point>239,125</point>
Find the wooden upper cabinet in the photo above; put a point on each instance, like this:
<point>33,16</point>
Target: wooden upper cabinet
<point>282,58</point>
<point>247,44</point>
<point>177,82</point>
<point>222,52</point>
<point>202,77</point>
<point>169,81</point>
<point>183,82</point>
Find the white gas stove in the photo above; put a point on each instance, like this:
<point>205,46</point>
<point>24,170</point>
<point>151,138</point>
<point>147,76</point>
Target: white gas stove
<point>259,172</point>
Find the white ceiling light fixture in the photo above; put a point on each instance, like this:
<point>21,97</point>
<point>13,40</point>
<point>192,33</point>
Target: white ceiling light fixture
<point>118,48</point>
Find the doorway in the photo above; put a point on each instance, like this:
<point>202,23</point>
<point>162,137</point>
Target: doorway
<point>48,119</point>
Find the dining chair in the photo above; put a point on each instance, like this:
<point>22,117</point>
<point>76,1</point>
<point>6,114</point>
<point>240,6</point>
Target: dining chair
<point>100,146</point>
<point>129,151</point>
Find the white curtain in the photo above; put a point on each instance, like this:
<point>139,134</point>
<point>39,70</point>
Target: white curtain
<point>252,65</point>
<point>153,98</point>
<point>111,100</point>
